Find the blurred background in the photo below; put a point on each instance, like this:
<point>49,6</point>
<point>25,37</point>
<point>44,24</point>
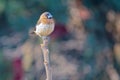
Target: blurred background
<point>85,44</point>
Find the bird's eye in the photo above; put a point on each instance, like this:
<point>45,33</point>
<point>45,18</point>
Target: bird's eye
<point>49,16</point>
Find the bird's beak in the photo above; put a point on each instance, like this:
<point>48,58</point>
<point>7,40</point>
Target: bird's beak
<point>50,16</point>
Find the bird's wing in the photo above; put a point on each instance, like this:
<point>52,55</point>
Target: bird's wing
<point>38,22</point>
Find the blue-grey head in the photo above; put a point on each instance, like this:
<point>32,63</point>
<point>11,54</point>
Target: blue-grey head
<point>48,15</point>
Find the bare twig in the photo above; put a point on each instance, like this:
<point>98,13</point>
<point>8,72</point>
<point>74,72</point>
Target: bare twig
<point>112,73</point>
<point>44,47</point>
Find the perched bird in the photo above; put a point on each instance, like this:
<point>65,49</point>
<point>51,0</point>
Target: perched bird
<point>45,25</point>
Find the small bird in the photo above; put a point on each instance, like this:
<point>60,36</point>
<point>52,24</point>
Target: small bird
<point>45,25</point>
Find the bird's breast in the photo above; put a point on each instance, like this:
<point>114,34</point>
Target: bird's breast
<point>44,29</point>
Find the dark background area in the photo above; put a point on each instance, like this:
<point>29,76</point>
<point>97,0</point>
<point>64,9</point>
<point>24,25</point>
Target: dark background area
<point>85,44</point>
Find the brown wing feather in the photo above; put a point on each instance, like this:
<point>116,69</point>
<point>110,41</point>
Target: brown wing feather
<point>38,22</point>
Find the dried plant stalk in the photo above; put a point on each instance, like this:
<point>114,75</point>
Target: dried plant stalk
<point>112,73</point>
<point>44,47</point>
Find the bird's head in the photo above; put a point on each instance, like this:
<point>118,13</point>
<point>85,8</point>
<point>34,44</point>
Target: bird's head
<point>46,17</point>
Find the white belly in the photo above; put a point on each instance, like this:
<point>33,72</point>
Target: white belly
<point>44,30</point>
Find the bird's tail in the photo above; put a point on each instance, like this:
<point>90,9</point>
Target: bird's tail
<point>32,32</point>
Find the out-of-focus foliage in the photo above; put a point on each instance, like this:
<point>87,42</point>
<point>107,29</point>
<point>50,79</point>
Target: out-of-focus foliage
<point>85,44</point>
<point>21,15</point>
<point>5,68</point>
